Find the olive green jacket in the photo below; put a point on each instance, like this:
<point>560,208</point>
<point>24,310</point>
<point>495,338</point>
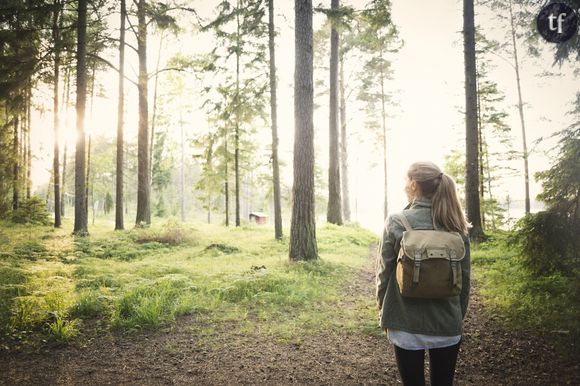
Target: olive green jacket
<point>441,317</point>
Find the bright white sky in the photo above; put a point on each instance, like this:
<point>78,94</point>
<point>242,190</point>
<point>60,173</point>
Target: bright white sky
<point>428,87</point>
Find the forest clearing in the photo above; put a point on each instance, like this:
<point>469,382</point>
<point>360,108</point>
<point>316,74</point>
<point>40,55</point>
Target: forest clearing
<point>192,305</point>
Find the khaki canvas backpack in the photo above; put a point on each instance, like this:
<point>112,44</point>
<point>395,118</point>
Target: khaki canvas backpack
<point>429,263</point>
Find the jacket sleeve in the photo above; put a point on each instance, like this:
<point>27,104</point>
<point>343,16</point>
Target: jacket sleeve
<point>386,259</point>
<point>466,279</point>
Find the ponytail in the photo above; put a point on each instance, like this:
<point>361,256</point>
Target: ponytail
<point>446,207</point>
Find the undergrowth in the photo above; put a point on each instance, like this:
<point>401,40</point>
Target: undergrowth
<point>52,282</point>
<point>546,304</point>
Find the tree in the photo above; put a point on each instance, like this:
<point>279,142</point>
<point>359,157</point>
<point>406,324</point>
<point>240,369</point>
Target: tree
<point>303,225</point>
<point>240,32</point>
<point>471,132</point>
<point>515,21</point>
<point>80,223</point>
<point>549,239</point>
<point>377,36</point>
<point>143,181</point>
<point>274,124</point>
<point>56,166</point>
<point>334,210</point>
<point>119,220</point>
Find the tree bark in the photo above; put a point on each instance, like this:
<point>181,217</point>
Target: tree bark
<point>521,111</point>
<point>56,123</point>
<point>303,224</point>
<point>80,224</point>
<point>334,210</point>
<point>119,220</point>
<point>274,118</point>
<point>15,166</point>
<point>226,177</point>
<point>343,144</point>
<point>143,182</point>
<point>480,143</point>
<point>384,126</point>
<point>154,114</point>
<point>237,107</point>
<point>182,172</point>
<point>28,146</point>
<point>471,136</point>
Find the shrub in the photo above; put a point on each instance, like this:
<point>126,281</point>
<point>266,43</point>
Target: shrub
<point>31,211</point>
<point>547,242</point>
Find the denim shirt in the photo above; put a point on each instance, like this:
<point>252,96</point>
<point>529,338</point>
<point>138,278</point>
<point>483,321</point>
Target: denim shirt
<point>439,317</point>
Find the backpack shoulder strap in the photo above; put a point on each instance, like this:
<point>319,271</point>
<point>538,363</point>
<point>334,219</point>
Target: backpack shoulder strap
<point>405,222</point>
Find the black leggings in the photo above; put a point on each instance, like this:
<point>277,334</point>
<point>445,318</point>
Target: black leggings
<point>441,360</point>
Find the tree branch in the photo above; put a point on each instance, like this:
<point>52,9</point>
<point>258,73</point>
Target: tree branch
<point>111,65</point>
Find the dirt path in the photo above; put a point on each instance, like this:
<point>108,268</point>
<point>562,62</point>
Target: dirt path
<point>489,356</point>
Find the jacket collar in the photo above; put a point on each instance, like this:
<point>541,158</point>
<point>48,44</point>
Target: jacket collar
<point>421,202</point>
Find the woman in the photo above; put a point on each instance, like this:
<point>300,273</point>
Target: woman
<point>414,325</point>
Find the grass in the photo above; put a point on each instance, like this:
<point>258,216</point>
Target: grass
<point>50,281</point>
<point>548,305</point>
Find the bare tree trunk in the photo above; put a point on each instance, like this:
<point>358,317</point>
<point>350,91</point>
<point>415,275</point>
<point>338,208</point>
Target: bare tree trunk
<point>63,184</point>
<point>472,164</point>
<point>64,156</point>
<point>384,126</point>
<point>343,144</point>
<point>237,106</point>
<point>303,225</point>
<point>226,178</point>
<point>274,117</point>
<point>154,115</point>
<point>480,142</point>
<point>89,177</point>
<point>28,143</point>
<point>15,167</point>
<point>182,172</point>
<point>56,159</point>
<point>143,182</point>
<point>334,210</point>
<point>80,225</point>
<point>521,111</point>
<point>119,220</point>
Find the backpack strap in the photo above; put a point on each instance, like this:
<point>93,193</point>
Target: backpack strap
<point>405,222</point>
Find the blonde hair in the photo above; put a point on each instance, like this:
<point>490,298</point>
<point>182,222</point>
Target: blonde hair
<point>446,208</point>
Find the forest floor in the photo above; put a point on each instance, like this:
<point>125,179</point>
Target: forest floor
<point>191,351</point>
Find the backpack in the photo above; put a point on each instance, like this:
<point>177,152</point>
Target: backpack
<point>429,263</point>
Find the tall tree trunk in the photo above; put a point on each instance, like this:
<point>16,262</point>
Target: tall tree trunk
<point>521,111</point>
<point>237,106</point>
<point>384,127</point>
<point>64,107</point>
<point>15,166</point>
<point>471,136</point>
<point>80,224</point>
<point>334,210</point>
<point>63,183</point>
<point>28,135</point>
<point>303,224</point>
<point>480,142</point>
<point>182,172</point>
<point>154,114</point>
<point>274,118</point>
<point>343,144</point>
<point>226,178</point>
<point>119,220</point>
<point>56,159</point>
<point>89,182</point>
<point>143,181</point>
